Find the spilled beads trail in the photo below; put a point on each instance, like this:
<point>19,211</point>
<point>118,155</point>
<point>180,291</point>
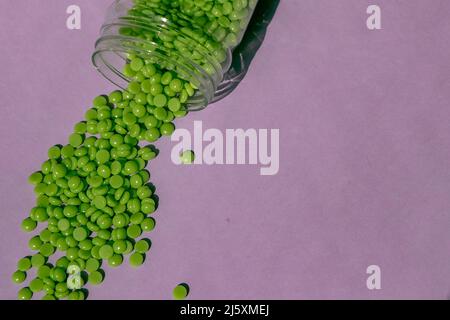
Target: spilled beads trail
<point>93,194</point>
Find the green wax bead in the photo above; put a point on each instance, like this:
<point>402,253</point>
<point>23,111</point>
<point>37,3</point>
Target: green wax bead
<point>85,244</point>
<point>24,264</point>
<point>166,78</point>
<point>119,221</point>
<point>134,231</point>
<point>180,292</point>
<point>104,234</point>
<point>67,151</point>
<point>148,206</point>
<point>28,225</point>
<point>37,260</point>
<point>99,202</point>
<point>134,87</point>
<point>61,244</point>
<point>174,104</point>
<point>144,192</point>
<point>35,243</point>
<point>72,254</point>
<point>71,242</point>
<point>76,140</point>
<point>74,182</point>
<point>62,262</point>
<point>121,233</point>
<point>99,101</point>
<point>83,255</point>
<point>142,246</point>
<point>44,272</point>
<point>148,224</point>
<point>136,181</point>
<point>176,85</point>
<point>80,127</point>
<point>70,211</point>
<point>48,297</point>
<point>115,261</point>
<point>25,294</point>
<point>116,181</point>
<point>136,259</point>
<point>63,224</point>
<point>59,171</point>
<point>80,234</point>
<point>115,97</point>
<point>136,64</point>
<point>92,264</point>
<point>95,252</point>
<point>106,252</point>
<point>160,113</point>
<point>95,278</point>
<point>119,246</point>
<point>102,156</point>
<point>36,285</point>
<point>104,222</point>
<point>61,287</point>
<point>61,295</point>
<point>103,113</point>
<point>152,134</point>
<point>130,167</point>
<point>19,276</point>
<point>35,178</point>
<point>187,157</point>
<point>73,295</point>
<point>137,218</point>
<point>45,235</point>
<point>40,214</point>
<point>47,250</point>
<point>54,152</point>
<point>167,129</point>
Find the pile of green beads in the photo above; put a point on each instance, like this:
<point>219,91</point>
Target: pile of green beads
<point>93,194</point>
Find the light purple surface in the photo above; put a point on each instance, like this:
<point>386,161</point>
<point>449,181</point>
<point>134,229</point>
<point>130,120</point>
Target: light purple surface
<point>365,155</point>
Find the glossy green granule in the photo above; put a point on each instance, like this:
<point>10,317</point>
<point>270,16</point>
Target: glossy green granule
<point>93,194</point>
<point>181,291</point>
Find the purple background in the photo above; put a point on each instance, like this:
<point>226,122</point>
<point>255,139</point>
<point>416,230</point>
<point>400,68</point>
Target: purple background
<point>365,155</point>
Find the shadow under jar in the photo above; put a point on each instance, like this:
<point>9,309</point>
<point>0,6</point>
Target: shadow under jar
<point>193,38</point>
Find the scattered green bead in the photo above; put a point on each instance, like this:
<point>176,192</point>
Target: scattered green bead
<point>180,292</point>
<point>19,276</point>
<point>25,294</point>
<point>187,157</point>
<point>136,259</point>
<point>95,278</point>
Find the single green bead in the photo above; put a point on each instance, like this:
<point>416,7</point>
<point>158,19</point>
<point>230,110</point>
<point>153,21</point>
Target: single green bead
<point>119,246</point>
<point>174,104</point>
<point>62,262</point>
<point>136,181</point>
<point>131,167</point>
<point>180,292</point>
<point>80,127</point>
<point>61,295</point>
<point>116,181</point>
<point>25,294</point>
<point>134,231</point>
<point>105,222</point>
<point>187,157</point>
<point>92,264</point>
<point>47,250</point>
<point>115,261</point>
<point>24,264</point>
<point>152,134</point>
<point>67,151</point>
<point>136,64</point>
<point>44,272</point>
<point>54,152</point>
<point>121,233</point>
<point>95,278</point>
<point>102,156</point>
<point>58,274</point>
<point>72,253</point>
<point>99,202</point>
<point>35,243</point>
<point>85,244</point>
<point>28,225</point>
<point>37,260</point>
<point>40,214</point>
<point>166,78</point>
<point>19,276</point>
<point>137,218</point>
<point>160,113</point>
<point>61,287</point>
<point>148,224</point>
<point>142,246</point>
<point>70,211</point>
<point>76,140</point>
<point>167,129</point>
<point>35,178</point>
<point>106,251</point>
<point>48,297</point>
<point>63,224</point>
<point>36,285</point>
<point>134,87</point>
<point>99,101</point>
<point>45,235</point>
<point>115,97</point>
<point>80,234</point>
<point>119,221</point>
<point>136,259</point>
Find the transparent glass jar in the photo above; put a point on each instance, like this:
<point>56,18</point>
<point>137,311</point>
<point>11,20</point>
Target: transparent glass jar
<point>194,38</point>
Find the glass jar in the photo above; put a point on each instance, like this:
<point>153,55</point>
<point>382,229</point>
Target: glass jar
<point>193,38</point>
